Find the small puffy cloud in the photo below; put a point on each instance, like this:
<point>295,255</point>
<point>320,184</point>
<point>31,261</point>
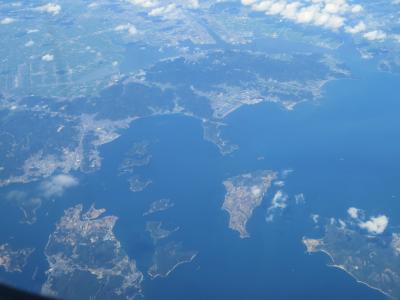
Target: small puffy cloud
<point>299,198</point>
<point>261,6</point>
<point>308,14</point>
<point>375,225</point>
<point>335,22</point>
<point>359,27</point>
<point>193,4</point>
<point>396,37</point>
<point>276,8</point>
<point>7,21</point>
<point>279,202</point>
<point>342,224</point>
<point>395,243</point>
<point>256,191</point>
<point>93,5</point>
<point>163,11</point>
<point>248,2</point>
<point>55,186</point>
<point>279,183</point>
<point>50,8</point>
<point>29,43</point>
<point>169,10</point>
<point>131,29</point>
<point>48,57</point>
<point>144,3</point>
<point>375,35</point>
<point>30,31</point>
<point>357,8</point>
<point>353,212</point>
<point>315,218</point>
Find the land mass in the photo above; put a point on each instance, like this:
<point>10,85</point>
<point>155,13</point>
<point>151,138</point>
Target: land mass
<point>373,260</point>
<point>83,251</point>
<point>157,231</point>
<point>168,257</point>
<point>14,260</point>
<point>158,206</point>
<point>244,193</point>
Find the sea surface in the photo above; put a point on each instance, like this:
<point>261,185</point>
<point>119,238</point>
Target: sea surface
<point>343,150</point>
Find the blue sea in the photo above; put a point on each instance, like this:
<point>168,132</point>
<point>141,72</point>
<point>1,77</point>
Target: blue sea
<point>344,151</point>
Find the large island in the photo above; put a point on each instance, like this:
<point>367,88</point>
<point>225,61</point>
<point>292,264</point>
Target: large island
<point>83,251</point>
<point>373,260</point>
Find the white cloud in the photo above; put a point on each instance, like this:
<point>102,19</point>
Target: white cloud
<point>357,9</point>
<point>279,183</point>
<point>279,202</point>
<point>276,8</point>
<point>131,29</point>
<point>290,10</point>
<point>359,27</point>
<point>163,11</point>
<point>93,5</point>
<point>353,212</point>
<point>375,225</point>
<point>330,14</point>
<point>193,4</point>
<point>51,8</point>
<point>7,20</point>
<point>256,191</point>
<point>375,35</point>
<point>335,22</point>
<point>307,14</point>
<point>248,2</point>
<point>48,57</point>
<point>299,198</point>
<point>261,6</point>
<point>144,3</point>
<point>171,10</point>
<point>342,224</point>
<point>30,31</point>
<point>29,43</point>
<point>315,218</point>
<point>395,243</point>
<point>55,186</point>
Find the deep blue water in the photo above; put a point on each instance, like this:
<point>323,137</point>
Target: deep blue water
<point>344,152</point>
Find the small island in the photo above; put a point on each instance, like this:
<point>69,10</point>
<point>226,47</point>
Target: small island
<point>158,232</point>
<point>168,257</point>
<point>138,184</point>
<point>244,193</point>
<point>137,156</point>
<point>14,260</point>
<point>158,206</point>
